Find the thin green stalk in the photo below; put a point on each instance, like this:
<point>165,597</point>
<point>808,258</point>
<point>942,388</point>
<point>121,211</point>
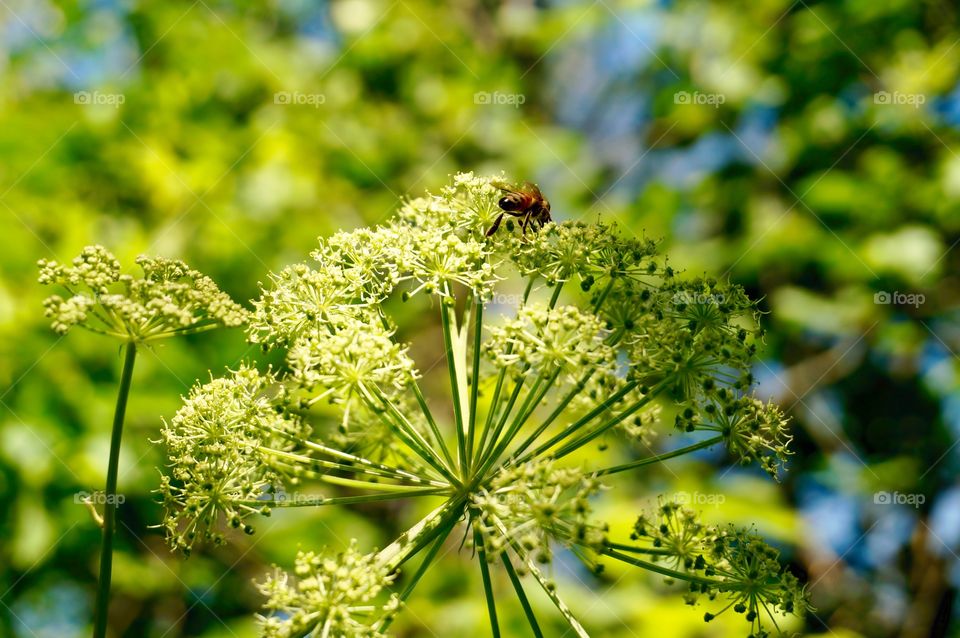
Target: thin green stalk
<point>346,456</point>
<point>661,457</point>
<point>652,551</point>
<point>579,423</point>
<point>406,432</point>
<point>625,414</point>
<point>316,465</point>
<point>434,428</point>
<point>475,382</point>
<point>317,501</point>
<point>556,294</point>
<point>666,571</point>
<point>521,595</point>
<point>487,586</point>
<point>110,495</point>
<point>449,325</point>
<point>603,295</point>
<point>551,591</point>
<point>380,487</point>
<point>577,389</point>
<point>501,377</point>
<point>441,519</point>
<point>415,579</point>
<point>485,459</point>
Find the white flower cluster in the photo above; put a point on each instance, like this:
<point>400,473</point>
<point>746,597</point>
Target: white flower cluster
<point>329,596</point>
<point>170,298</point>
<point>535,504</point>
<point>223,446</point>
<point>561,340</point>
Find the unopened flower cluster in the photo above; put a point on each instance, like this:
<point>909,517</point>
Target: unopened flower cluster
<point>724,561</point>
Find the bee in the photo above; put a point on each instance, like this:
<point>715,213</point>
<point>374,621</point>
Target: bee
<point>524,201</point>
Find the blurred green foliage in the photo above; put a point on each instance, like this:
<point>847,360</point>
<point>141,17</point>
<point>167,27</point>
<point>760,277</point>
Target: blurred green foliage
<point>245,131</point>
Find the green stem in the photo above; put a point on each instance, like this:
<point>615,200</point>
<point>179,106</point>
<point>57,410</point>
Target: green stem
<point>434,428</point>
<point>291,461</point>
<point>666,571</point>
<point>522,596</point>
<point>551,591</point>
<point>487,586</point>
<point>661,457</point>
<point>475,382</point>
<point>447,311</point>
<point>415,579</point>
<point>555,297</point>
<point>652,551</point>
<point>625,414</point>
<point>110,495</point>
<point>579,423</point>
<point>495,400</point>
<point>346,456</point>
<point>485,455</point>
<point>405,431</point>
<point>318,501</point>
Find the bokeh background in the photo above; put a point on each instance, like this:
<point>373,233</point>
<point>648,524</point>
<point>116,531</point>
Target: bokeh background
<point>805,149</point>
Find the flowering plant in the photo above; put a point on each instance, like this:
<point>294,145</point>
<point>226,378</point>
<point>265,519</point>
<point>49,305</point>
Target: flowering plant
<point>169,299</point>
<point>603,337</point>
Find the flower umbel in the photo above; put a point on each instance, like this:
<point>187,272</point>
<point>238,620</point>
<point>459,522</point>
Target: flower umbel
<point>547,405</point>
<point>328,596</point>
<point>170,298</point>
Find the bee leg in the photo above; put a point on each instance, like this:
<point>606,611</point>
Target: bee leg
<point>495,226</point>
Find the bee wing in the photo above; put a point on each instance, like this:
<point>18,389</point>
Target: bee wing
<point>533,189</point>
<point>506,188</point>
